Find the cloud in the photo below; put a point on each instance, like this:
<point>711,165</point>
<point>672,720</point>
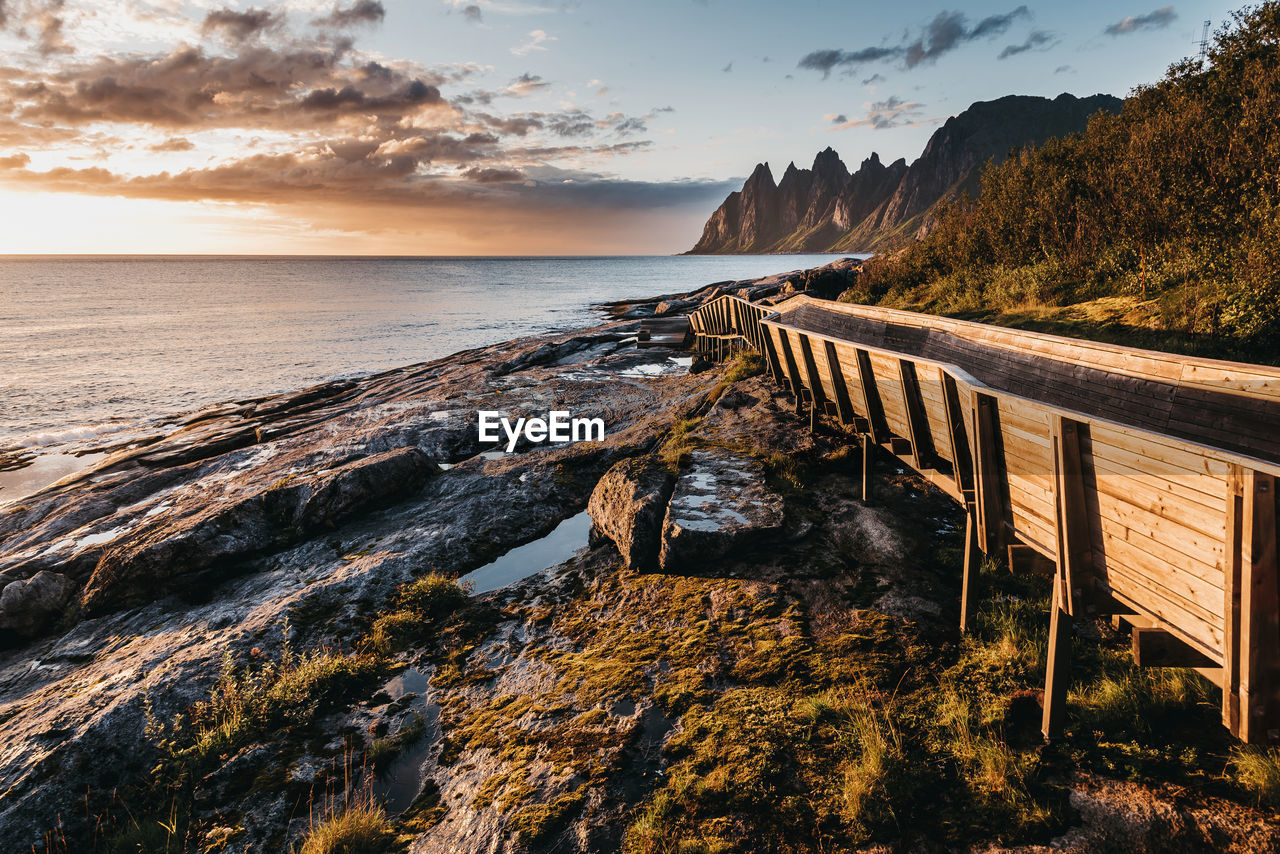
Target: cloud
<point>1064,69</point>
<point>41,21</point>
<point>173,143</point>
<point>362,12</point>
<point>535,41</point>
<point>337,139</point>
<point>525,84</point>
<point>1157,20</point>
<point>947,31</point>
<point>473,14</point>
<point>1035,39</point>
<point>727,68</point>
<point>881,115</point>
<point>873,79</point>
<point>826,60</point>
<point>240,26</point>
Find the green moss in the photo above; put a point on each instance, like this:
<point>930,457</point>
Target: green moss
<point>538,823</point>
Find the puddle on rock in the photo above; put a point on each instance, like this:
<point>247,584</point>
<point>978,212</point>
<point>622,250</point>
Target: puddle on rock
<point>555,548</point>
<point>45,470</point>
<point>400,783</point>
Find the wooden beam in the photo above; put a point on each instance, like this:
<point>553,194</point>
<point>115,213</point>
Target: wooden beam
<point>868,446</point>
<point>844,403</point>
<point>1231,601</point>
<point>818,395</point>
<point>1058,673</point>
<point>961,454</point>
<point>771,356</point>
<point>793,372</point>
<point>1155,647</point>
<point>1072,476</point>
<point>988,467</point>
<point>917,418</point>
<point>1259,614</point>
<point>972,564</point>
<point>871,398</point>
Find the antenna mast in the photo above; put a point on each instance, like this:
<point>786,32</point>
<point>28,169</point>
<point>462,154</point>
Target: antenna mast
<point>1204,41</point>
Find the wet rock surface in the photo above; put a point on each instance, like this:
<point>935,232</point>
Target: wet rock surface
<point>594,707</point>
<point>720,503</point>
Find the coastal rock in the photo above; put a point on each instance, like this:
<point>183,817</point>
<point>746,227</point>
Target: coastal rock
<point>26,607</point>
<point>720,502</point>
<point>177,553</point>
<point>627,507</point>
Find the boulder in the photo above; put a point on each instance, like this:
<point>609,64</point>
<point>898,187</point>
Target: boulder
<point>720,503</point>
<point>627,507</point>
<point>28,607</point>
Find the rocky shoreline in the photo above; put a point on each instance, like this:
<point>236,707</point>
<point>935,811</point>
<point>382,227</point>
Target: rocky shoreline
<point>701,672</point>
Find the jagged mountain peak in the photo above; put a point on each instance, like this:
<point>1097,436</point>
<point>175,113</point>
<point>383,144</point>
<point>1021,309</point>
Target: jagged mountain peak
<point>827,209</point>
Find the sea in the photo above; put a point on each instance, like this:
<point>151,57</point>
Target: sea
<point>92,345</point>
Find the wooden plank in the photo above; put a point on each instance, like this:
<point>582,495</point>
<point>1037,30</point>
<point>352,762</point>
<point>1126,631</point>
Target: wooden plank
<point>1259,615</point>
<point>843,402</point>
<point>885,371</point>
<point>1121,516</point>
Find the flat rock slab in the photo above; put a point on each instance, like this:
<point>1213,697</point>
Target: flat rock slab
<point>720,503</point>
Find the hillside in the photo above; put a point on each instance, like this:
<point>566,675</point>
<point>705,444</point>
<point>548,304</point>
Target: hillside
<point>827,209</point>
<point>1170,206</point>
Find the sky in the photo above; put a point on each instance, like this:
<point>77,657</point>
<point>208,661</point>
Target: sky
<point>481,127</point>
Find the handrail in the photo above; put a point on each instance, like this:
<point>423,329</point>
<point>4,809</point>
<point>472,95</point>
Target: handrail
<point>1175,533</point>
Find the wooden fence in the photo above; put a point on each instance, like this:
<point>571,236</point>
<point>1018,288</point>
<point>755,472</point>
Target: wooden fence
<point>1146,480</point>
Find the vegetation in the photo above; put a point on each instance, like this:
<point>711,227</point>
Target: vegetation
<point>1258,770</point>
<point>1174,203</point>
<point>358,826</point>
<point>420,609</point>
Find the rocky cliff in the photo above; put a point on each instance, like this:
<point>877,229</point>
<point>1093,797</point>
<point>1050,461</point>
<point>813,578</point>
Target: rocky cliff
<point>825,208</point>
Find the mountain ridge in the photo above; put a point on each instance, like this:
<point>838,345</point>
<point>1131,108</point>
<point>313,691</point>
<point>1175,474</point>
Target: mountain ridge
<point>827,208</point>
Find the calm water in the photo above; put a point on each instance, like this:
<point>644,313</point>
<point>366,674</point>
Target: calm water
<point>87,343</point>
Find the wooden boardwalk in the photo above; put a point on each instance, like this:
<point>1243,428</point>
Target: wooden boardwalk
<point>1146,481</point>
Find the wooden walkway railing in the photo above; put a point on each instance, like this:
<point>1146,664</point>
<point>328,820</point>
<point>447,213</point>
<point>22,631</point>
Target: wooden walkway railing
<point>1146,480</point>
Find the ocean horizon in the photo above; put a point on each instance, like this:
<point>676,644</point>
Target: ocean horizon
<point>96,343</point>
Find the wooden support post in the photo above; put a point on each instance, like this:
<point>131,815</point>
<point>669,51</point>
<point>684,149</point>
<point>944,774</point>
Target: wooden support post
<point>1231,601</point>
<point>972,564</point>
<point>961,454</point>
<point>1072,476</point>
<point>988,467</point>
<point>871,398</point>
<point>868,443</point>
<point>917,419</point>
<point>1259,614</point>
<point>817,394</point>
<point>1058,674</point>
<point>793,372</point>
<point>771,356</point>
<point>844,405</point>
